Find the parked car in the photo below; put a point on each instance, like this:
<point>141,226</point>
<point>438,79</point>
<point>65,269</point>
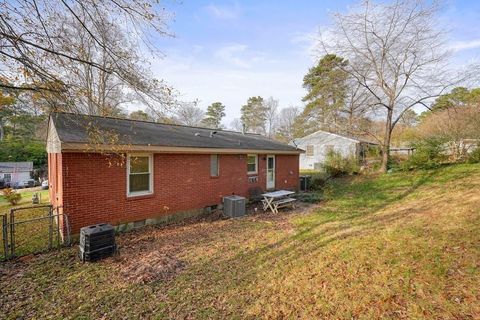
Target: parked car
<point>30,183</point>
<point>20,184</point>
<point>44,184</point>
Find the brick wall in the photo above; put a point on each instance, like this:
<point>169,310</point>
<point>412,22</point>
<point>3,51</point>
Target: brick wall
<point>94,187</point>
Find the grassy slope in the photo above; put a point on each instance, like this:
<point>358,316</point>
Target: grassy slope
<point>400,245</point>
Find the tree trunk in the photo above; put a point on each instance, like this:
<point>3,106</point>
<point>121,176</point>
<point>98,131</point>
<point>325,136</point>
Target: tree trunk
<point>386,142</point>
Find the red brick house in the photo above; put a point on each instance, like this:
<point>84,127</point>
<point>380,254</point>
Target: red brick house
<point>131,173</point>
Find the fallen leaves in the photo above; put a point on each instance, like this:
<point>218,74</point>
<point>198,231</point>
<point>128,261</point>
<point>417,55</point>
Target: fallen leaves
<point>148,267</point>
<point>384,250</point>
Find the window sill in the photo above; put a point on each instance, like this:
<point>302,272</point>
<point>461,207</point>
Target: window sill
<point>140,196</point>
<point>252,173</point>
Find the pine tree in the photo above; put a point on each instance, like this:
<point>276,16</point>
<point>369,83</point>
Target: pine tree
<point>254,115</point>
<point>140,115</point>
<point>326,91</point>
<point>458,97</point>
<point>213,117</point>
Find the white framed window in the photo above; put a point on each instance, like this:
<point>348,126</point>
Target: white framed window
<point>252,163</point>
<point>7,177</point>
<point>310,150</point>
<point>139,174</point>
<point>214,165</point>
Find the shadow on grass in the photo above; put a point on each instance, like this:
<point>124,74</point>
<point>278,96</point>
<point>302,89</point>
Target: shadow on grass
<point>364,203</point>
<point>239,271</point>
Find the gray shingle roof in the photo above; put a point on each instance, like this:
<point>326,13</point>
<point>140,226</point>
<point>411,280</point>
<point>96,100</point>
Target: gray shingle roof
<point>74,128</point>
<point>16,166</point>
<point>352,137</point>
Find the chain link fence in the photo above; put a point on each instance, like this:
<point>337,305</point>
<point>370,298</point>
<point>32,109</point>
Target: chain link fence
<point>33,229</point>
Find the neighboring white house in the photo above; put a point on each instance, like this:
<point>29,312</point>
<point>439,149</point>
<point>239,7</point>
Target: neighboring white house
<point>14,172</point>
<point>317,145</point>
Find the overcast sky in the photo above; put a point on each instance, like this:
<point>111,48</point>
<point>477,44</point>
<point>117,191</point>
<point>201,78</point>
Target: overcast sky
<point>228,51</point>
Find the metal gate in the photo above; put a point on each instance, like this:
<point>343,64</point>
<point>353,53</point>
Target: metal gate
<point>33,229</point>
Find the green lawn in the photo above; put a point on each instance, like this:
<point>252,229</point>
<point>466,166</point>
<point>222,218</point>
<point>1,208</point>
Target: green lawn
<point>26,199</point>
<point>403,245</point>
<point>33,236</point>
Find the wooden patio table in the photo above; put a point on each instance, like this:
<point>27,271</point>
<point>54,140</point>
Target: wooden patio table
<point>277,199</point>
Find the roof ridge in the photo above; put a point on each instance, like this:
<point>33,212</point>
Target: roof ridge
<point>145,132</point>
<point>342,135</point>
<point>154,122</point>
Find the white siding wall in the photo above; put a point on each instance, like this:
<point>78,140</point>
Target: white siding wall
<point>53,141</point>
<point>20,176</point>
<point>321,142</point>
<point>17,176</point>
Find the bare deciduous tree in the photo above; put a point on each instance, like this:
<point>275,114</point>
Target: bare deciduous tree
<point>459,128</point>
<point>271,106</point>
<point>287,122</point>
<point>43,44</point>
<point>236,125</point>
<point>97,91</point>
<point>189,114</point>
<point>397,53</point>
<point>357,107</point>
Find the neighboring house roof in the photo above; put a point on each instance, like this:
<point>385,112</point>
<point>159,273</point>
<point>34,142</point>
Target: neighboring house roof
<point>16,166</point>
<point>323,132</point>
<point>73,131</point>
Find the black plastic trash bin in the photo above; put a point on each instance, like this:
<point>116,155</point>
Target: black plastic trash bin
<point>97,242</point>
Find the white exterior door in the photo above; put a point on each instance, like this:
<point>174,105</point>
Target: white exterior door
<point>270,172</point>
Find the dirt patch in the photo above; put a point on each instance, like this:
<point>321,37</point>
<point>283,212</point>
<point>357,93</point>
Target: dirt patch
<point>282,220</point>
<point>153,253</point>
<point>150,266</point>
<point>256,209</point>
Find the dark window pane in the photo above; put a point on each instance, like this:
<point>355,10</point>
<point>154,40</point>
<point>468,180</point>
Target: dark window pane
<point>139,182</point>
<point>252,163</point>
<point>270,163</point>
<point>139,164</point>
